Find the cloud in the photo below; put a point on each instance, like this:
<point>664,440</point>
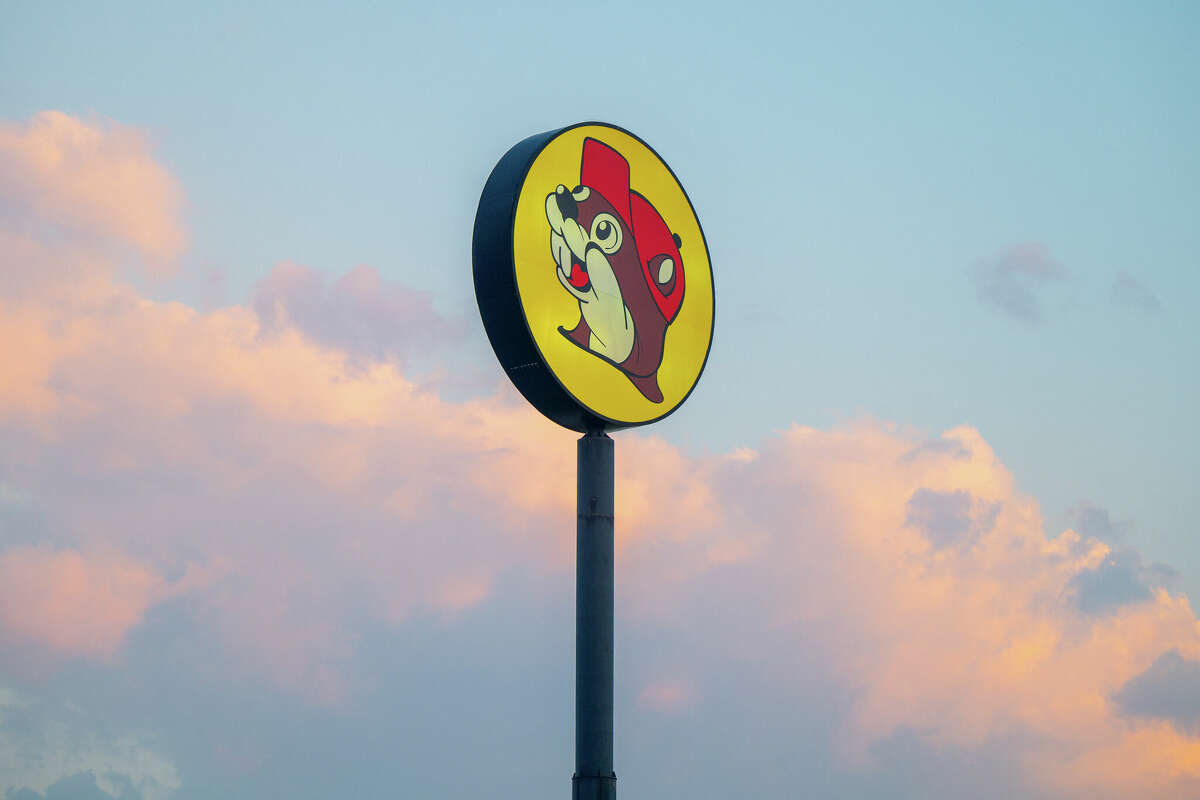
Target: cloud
<point>97,180</point>
<point>670,695</point>
<point>948,518</point>
<point>359,313</point>
<point>1120,579</point>
<point>212,444</point>
<point>1094,522</point>
<point>80,786</point>
<point>1169,689</point>
<point>1129,293</point>
<point>50,749</point>
<point>938,447</point>
<point>1011,280</point>
<point>71,603</point>
<point>275,482</point>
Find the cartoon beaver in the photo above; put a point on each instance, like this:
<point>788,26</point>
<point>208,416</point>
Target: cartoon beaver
<point>618,258</point>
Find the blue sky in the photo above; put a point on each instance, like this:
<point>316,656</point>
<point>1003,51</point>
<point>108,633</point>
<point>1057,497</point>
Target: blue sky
<point>918,215</point>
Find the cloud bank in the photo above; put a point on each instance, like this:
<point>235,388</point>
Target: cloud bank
<point>271,474</point>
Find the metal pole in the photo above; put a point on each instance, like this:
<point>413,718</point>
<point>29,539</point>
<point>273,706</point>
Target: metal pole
<point>594,778</point>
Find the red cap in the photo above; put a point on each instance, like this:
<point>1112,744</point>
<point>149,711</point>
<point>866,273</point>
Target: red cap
<point>606,171</point>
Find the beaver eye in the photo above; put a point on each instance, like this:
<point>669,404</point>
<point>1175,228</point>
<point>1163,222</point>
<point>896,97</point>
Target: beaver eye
<point>606,232</point>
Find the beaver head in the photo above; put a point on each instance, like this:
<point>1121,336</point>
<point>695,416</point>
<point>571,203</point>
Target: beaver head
<point>627,297</point>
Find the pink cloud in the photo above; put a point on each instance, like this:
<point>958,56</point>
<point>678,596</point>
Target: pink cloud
<point>669,695</point>
<point>97,179</point>
<point>74,604</point>
<point>965,640</point>
<point>320,492</point>
<point>360,312</point>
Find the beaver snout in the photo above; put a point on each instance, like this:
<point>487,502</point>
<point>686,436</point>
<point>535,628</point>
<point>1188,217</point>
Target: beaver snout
<point>566,203</point>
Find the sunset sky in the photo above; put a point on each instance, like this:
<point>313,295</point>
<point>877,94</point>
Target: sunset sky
<point>273,523</point>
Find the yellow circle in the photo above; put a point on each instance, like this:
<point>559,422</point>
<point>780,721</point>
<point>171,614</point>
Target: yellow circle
<point>600,383</point>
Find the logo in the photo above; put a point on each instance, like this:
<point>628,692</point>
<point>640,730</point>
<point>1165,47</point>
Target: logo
<point>593,278</point>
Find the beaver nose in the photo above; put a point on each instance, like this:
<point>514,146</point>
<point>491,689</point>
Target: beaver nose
<point>566,203</point>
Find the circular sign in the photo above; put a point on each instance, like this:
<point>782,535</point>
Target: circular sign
<point>592,277</point>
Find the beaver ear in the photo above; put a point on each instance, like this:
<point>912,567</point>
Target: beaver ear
<point>678,241</point>
<point>663,270</point>
<point>666,271</point>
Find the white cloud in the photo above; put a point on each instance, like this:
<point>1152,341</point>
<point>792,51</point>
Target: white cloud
<point>43,743</point>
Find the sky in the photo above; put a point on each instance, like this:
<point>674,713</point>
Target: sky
<point>273,522</point>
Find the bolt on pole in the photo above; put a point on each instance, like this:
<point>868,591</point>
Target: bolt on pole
<point>594,777</point>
